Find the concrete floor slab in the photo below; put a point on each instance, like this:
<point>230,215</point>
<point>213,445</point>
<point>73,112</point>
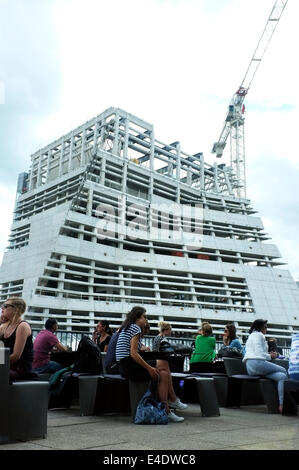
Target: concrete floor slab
<point>247,428</point>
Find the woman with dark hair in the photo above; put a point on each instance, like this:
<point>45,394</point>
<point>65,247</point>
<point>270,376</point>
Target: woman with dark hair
<point>257,358</point>
<point>133,366</point>
<point>230,337</point>
<point>16,335</point>
<point>104,334</point>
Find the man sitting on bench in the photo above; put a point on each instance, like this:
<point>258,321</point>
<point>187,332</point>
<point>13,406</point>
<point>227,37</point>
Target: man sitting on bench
<point>43,344</point>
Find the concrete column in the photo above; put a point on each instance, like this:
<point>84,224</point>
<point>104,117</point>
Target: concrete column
<point>91,280</point>
<point>126,140</point>
<point>225,285</point>
<point>61,275</point>
<point>103,170</point>
<point>89,202</point>
<point>192,288</point>
<point>121,281</point>
<point>83,154</point>
<point>81,235</point>
<point>69,319</point>
<point>71,152</point>
<point>48,164</point>
<point>115,148</point>
<point>156,287</point>
<point>61,158</point>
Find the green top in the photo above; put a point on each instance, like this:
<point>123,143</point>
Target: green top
<point>204,349</point>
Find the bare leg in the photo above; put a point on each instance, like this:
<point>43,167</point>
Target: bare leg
<point>165,383</point>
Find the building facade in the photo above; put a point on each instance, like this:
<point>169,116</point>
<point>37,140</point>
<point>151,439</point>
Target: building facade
<point>108,217</point>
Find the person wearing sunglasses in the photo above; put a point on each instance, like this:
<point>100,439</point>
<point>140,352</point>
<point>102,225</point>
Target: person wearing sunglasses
<point>230,337</point>
<point>16,335</point>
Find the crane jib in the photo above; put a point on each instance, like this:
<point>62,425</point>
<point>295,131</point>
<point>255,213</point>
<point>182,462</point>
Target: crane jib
<point>234,122</point>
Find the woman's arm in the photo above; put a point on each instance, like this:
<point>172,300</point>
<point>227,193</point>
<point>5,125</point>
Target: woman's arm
<point>136,356</point>
<point>235,343</point>
<point>22,333</point>
<point>260,347</point>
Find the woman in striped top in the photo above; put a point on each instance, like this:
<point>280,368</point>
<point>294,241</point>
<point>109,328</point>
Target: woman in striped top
<point>133,366</point>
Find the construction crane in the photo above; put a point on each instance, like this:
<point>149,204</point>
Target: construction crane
<point>234,121</point>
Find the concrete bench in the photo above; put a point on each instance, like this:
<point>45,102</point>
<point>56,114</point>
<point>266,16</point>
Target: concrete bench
<point>264,390</point>
<point>242,389</point>
<point>203,389</point>
<point>23,406</point>
<point>103,393</point>
<point>106,393</point>
<point>291,393</point>
<point>220,382</point>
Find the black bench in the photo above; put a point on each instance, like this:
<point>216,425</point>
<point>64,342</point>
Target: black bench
<point>198,389</point>
<point>267,387</point>
<point>242,389</point>
<point>23,406</point>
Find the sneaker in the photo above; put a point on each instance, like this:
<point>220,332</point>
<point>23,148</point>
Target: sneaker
<point>174,418</point>
<point>177,404</point>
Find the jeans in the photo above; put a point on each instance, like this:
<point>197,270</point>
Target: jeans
<point>269,370</point>
<point>50,367</point>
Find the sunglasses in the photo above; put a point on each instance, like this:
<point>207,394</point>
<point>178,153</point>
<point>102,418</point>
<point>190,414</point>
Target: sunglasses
<point>7,305</point>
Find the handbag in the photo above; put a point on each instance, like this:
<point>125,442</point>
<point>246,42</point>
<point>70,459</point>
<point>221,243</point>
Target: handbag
<point>150,411</point>
<point>181,349</point>
<point>226,351</point>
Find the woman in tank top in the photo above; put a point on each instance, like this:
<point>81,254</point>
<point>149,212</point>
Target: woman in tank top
<point>17,336</point>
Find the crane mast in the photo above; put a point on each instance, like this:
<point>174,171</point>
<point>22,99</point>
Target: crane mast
<point>234,121</point>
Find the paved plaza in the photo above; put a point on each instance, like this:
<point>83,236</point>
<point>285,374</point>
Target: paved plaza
<point>248,428</point>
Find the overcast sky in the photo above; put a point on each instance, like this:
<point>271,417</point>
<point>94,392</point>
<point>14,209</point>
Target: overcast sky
<point>173,63</point>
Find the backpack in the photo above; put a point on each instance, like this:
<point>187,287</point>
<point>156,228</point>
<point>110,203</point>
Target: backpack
<point>88,357</point>
<point>62,388</point>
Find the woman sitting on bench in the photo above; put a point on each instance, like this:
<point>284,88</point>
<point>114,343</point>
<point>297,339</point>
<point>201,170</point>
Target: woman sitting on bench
<point>17,336</point>
<point>257,358</point>
<point>133,366</point>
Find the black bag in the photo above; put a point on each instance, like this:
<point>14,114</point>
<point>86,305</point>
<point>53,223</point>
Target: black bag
<point>88,357</point>
<point>165,346</point>
<point>62,388</point>
<point>226,351</point>
<point>150,411</point>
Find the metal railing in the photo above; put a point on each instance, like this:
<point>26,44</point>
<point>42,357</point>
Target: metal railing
<point>72,339</point>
